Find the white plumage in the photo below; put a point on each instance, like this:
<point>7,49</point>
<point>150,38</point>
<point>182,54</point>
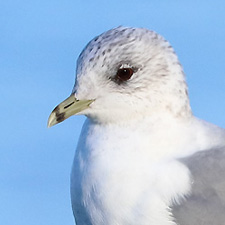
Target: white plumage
<point>127,168</point>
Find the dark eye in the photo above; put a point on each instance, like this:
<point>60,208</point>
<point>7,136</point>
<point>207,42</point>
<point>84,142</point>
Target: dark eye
<point>124,74</point>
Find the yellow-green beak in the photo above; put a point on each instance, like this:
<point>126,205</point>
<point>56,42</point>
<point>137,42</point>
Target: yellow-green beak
<point>67,108</point>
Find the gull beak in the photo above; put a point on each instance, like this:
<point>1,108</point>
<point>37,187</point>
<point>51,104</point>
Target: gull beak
<point>70,106</point>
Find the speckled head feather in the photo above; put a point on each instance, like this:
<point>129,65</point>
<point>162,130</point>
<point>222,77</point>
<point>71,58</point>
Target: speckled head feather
<point>157,83</point>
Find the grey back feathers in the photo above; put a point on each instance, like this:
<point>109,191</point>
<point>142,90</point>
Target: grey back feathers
<point>206,203</point>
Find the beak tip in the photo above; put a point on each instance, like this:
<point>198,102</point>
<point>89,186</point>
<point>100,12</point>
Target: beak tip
<point>48,125</point>
<point>51,120</point>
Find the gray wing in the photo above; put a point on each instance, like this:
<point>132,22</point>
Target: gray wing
<point>206,203</point>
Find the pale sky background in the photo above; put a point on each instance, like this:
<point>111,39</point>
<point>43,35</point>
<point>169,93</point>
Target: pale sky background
<point>39,44</point>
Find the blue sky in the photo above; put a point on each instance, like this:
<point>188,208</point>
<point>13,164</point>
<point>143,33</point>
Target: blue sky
<point>40,42</point>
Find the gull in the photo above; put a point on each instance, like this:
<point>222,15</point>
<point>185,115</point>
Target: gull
<point>142,157</point>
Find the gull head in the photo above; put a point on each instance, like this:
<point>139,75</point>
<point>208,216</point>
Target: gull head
<point>126,74</point>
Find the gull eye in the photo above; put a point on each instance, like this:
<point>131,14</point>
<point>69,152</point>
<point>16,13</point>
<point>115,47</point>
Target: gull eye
<point>124,74</point>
